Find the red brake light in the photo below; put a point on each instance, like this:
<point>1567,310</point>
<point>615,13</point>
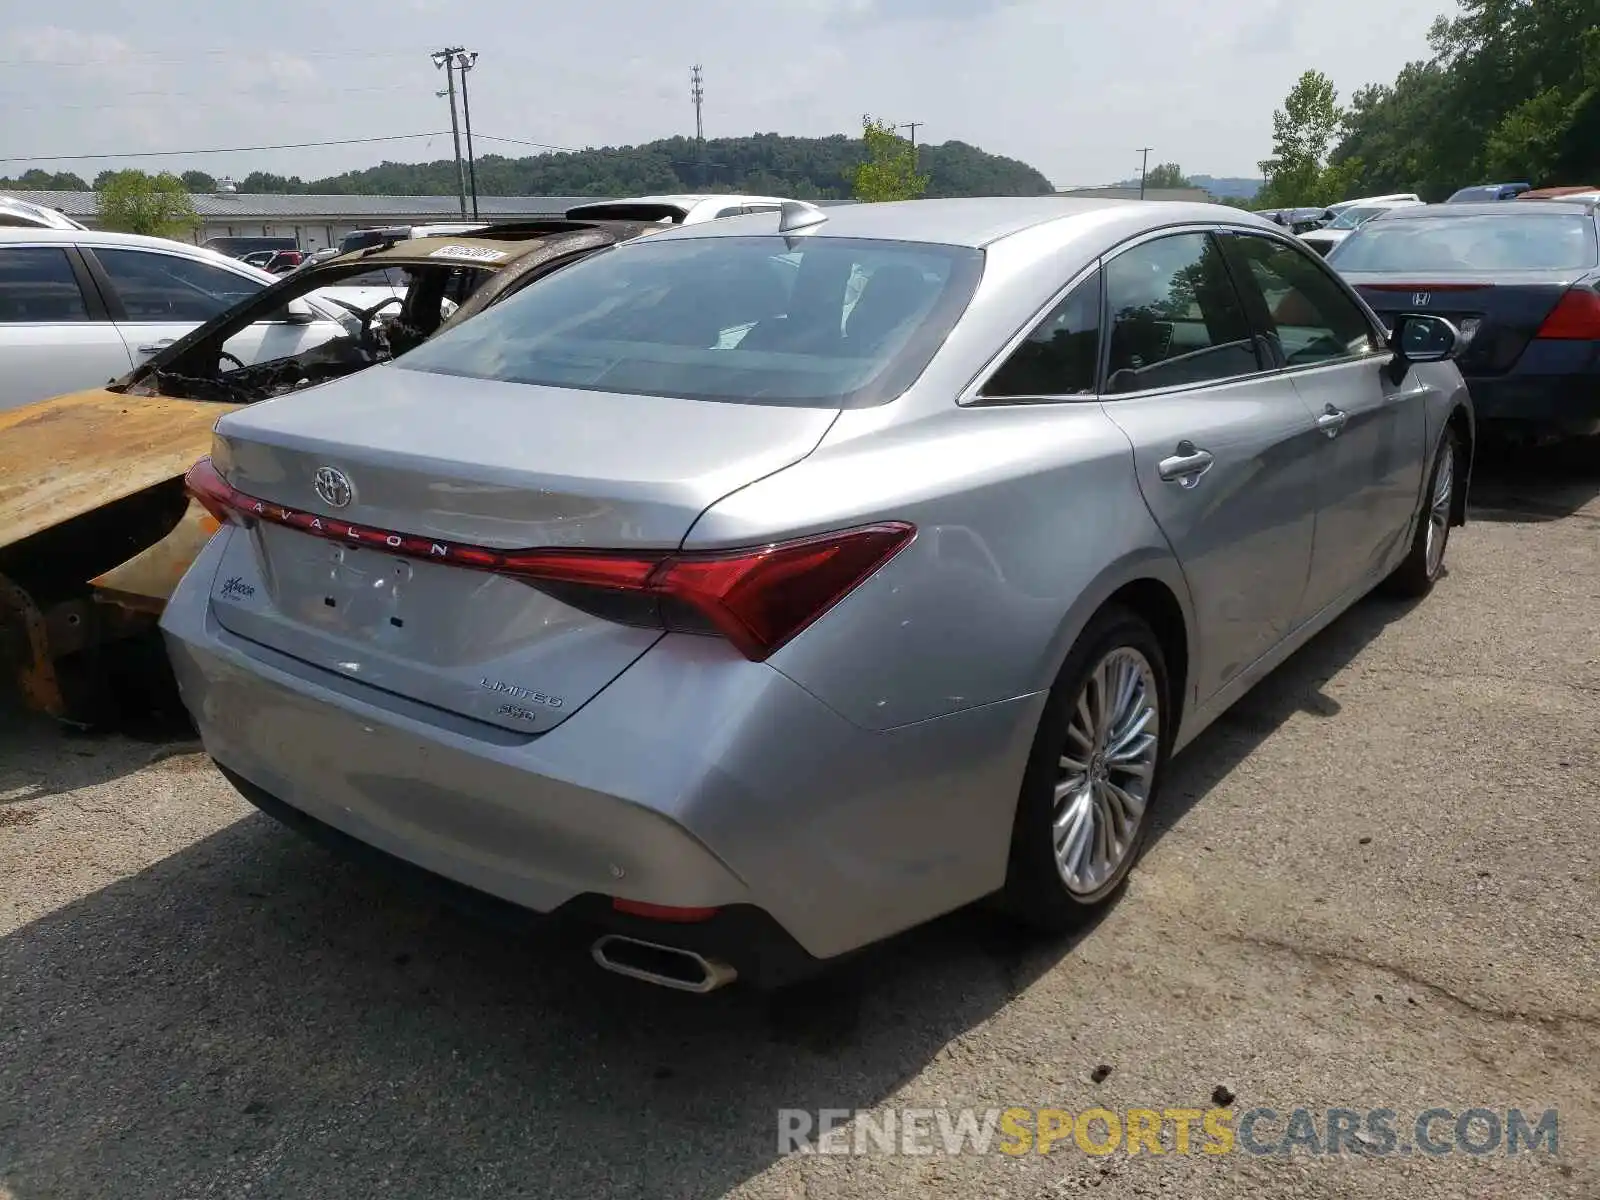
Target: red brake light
<point>206,484</point>
<point>1575,318</point>
<point>758,599</point>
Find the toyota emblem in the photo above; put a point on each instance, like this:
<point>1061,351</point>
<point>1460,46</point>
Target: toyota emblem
<point>333,486</point>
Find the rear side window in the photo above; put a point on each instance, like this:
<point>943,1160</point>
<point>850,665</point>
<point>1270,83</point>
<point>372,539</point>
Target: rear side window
<point>1061,355</point>
<point>1312,317</point>
<point>37,285</point>
<point>832,322</point>
<point>165,287</point>
<point>1175,316</point>
<point>1508,241</point>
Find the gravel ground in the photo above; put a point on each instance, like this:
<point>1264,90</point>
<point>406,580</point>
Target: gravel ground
<point>1375,886</point>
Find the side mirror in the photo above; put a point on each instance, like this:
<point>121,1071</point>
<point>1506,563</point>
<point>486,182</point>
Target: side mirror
<point>298,312</point>
<point>1419,338</point>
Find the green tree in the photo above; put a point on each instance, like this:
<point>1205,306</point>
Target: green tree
<point>1302,133</point>
<point>1511,91</point>
<point>1167,175</point>
<point>134,202</point>
<point>890,172</point>
<point>199,181</point>
<point>45,181</point>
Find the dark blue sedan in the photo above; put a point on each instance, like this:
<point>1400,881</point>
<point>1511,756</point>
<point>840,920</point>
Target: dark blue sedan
<point>1522,284</point>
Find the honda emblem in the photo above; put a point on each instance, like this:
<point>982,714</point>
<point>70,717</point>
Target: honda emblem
<point>1421,299</point>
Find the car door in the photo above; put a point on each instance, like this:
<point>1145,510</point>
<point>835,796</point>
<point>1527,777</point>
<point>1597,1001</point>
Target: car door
<point>1369,473</point>
<point>1225,450</point>
<point>55,333</point>
<point>157,297</point>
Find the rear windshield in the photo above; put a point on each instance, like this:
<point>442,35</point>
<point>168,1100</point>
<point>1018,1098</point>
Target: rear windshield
<point>1483,242</point>
<point>833,322</point>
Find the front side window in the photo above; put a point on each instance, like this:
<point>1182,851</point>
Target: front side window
<point>1312,317</point>
<point>1175,316</point>
<point>37,286</point>
<point>165,287</point>
<point>829,322</point>
<point>1061,355</point>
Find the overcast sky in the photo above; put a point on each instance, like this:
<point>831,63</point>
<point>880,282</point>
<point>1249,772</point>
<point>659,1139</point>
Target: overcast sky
<point>1069,86</point>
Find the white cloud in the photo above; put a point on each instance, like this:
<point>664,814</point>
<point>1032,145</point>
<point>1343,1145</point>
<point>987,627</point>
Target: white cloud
<point>1071,87</point>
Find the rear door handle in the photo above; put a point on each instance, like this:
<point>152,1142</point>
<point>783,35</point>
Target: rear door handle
<point>1332,421</point>
<point>1186,466</point>
<point>156,347</point>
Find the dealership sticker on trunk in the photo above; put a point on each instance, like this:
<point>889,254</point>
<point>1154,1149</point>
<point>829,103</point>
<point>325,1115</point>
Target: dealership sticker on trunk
<point>470,253</point>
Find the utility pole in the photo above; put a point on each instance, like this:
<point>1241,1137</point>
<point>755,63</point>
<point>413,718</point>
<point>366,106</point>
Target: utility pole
<point>697,93</point>
<point>446,58</point>
<point>465,61</point>
<point>1144,167</point>
<point>913,126</point>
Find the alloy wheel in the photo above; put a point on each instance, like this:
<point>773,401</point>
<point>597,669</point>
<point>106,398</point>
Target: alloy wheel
<point>1105,771</point>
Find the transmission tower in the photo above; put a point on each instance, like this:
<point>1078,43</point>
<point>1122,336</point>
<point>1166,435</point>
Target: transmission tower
<point>697,93</point>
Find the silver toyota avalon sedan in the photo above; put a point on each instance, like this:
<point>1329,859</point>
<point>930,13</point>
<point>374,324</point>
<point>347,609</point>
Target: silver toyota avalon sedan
<point>754,591</point>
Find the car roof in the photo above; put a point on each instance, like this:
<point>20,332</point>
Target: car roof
<point>37,215</point>
<point>100,237</point>
<point>106,239</point>
<point>975,222</point>
<point>1490,208</point>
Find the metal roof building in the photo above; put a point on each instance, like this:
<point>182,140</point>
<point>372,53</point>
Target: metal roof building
<point>1191,195</point>
<point>317,221</point>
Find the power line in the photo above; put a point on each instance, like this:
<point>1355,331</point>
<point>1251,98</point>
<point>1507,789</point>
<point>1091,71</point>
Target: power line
<point>394,137</point>
<point>525,142</point>
<point>256,102</point>
<point>140,58</point>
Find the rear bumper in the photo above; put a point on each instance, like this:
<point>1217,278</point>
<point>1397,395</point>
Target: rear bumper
<point>695,779</point>
<point>746,938</point>
<point>1569,403</point>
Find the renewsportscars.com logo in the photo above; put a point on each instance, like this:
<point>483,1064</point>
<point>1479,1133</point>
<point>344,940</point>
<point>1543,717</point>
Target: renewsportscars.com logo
<point>1373,1132</point>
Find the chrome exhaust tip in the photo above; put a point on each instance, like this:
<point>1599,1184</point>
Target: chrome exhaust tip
<point>664,966</point>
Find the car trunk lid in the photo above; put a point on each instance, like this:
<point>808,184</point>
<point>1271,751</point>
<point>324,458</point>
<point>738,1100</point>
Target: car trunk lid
<point>1497,316</point>
<point>446,465</point>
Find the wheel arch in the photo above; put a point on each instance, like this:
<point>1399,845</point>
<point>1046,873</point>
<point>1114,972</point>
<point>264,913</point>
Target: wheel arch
<point>1153,587</point>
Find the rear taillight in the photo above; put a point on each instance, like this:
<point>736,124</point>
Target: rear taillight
<point>206,484</point>
<point>1575,318</point>
<point>758,598</point>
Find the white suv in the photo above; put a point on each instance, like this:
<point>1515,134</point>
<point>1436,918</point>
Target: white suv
<point>678,210</point>
<point>79,308</point>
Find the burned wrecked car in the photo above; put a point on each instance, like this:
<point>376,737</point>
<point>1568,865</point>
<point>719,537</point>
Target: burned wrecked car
<point>95,526</point>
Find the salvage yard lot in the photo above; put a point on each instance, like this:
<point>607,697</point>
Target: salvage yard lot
<point>1375,884</point>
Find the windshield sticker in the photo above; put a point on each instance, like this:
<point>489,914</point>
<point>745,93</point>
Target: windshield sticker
<point>471,253</point>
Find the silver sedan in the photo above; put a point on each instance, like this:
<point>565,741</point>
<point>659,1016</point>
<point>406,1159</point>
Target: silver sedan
<point>754,591</point>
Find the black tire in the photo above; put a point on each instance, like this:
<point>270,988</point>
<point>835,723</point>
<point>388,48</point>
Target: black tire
<point>1416,574</point>
<point>1036,892</point>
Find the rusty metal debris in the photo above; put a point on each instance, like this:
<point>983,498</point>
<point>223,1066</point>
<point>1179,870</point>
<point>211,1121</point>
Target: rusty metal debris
<point>32,664</point>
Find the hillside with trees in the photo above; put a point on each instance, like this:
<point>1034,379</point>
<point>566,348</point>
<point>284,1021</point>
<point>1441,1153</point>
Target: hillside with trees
<point>1510,92</point>
<point>806,168</point>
